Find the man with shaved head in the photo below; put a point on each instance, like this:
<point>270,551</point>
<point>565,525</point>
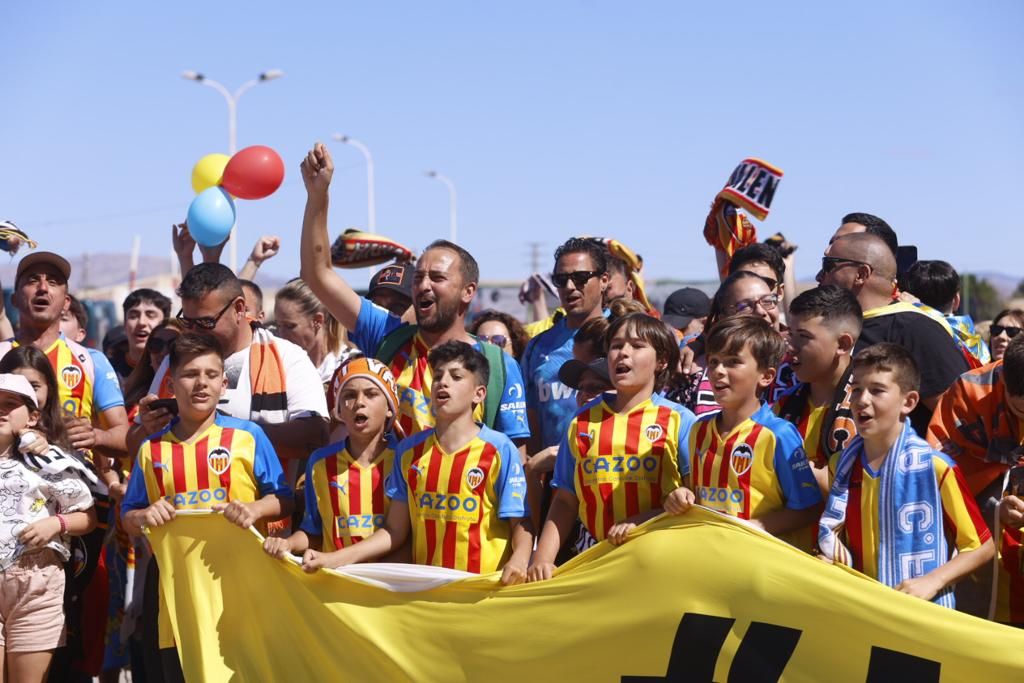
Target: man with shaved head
<point>864,264</point>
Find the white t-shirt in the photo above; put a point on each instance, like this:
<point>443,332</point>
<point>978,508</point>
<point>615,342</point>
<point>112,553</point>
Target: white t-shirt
<point>27,495</point>
<point>305,390</point>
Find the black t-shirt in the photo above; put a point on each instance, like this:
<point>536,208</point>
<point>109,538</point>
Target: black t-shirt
<point>931,346</point>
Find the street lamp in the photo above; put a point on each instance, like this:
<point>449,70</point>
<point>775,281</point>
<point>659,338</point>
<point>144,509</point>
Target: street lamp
<point>232,100</point>
<point>451,200</point>
<point>371,211</point>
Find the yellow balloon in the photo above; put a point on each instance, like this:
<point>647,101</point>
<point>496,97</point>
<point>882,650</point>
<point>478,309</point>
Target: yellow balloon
<point>208,171</point>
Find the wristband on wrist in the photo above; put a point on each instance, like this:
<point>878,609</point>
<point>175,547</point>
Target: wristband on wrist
<point>63,524</point>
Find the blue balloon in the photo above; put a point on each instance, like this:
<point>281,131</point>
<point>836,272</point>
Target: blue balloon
<point>211,217</point>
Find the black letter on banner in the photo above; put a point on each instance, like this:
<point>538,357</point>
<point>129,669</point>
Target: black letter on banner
<point>695,650</point>
<point>768,194</point>
<point>763,653</point>
<point>889,665</point>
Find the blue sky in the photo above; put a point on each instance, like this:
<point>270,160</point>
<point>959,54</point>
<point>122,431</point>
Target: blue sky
<point>552,118</point>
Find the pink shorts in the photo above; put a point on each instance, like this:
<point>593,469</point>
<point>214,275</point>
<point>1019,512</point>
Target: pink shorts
<point>32,603</point>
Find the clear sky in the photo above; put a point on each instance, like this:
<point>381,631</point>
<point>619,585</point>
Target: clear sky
<point>553,118</point>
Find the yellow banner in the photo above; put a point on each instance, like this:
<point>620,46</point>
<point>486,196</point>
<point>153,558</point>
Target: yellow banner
<point>694,598</point>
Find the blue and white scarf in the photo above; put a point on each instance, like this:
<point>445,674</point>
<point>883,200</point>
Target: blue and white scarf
<point>911,541</point>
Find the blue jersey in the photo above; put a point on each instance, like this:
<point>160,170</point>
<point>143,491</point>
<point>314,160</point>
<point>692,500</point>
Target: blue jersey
<point>554,402</point>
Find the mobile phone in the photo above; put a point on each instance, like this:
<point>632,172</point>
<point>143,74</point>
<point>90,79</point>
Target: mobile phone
<point>171,404</point>
<point>906,256</point>
<point>1015,481</point>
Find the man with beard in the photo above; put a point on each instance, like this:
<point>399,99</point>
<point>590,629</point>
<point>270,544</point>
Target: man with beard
<point>443,286</point>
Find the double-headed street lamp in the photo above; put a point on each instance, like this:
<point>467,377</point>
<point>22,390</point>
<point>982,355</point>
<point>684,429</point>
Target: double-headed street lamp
<point>371,210</point>
<point>232,100</point>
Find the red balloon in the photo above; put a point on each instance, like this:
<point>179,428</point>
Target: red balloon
<point>253,173</point>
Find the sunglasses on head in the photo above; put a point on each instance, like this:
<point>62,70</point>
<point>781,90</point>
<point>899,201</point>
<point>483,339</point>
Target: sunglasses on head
<point>1010,331</point>
<point>578,277</point>
<point>207,323</point>
<point>498,340</point>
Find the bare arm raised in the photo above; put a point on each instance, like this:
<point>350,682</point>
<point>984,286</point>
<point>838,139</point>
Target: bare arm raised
<point>315,253</point>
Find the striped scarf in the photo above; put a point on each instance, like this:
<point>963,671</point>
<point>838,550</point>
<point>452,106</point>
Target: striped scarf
<point>911,539</point>
<point>266,378</point>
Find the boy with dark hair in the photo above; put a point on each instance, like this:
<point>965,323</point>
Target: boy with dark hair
<point>898,510</point>
<point>621,452</point>
<point>202,460</point>
<point>143,310</point>
<point>253,300</point>
<point>744,461</point>
<point>74,321</point>
<point>873,225</point>
<point>457,487</point>
<point>824,326</point>
<point>761,259</point>
<point>936,284</point>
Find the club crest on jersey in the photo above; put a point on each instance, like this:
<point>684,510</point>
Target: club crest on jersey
<point>474,478</point>
<point>741,459</point>
<point>71,375</point>
<point>219,460</point>
<point>654,432</point>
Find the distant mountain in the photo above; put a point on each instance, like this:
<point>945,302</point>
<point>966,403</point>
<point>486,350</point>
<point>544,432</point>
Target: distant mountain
<point>1006,285</point>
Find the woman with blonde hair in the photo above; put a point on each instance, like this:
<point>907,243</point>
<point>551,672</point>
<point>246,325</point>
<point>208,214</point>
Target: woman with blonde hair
<point>304,321</point>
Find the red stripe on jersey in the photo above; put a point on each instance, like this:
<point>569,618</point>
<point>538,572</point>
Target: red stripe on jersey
<point>700,477</point>
<point>178,468</point>
<point>589,501</point>
<point>355,490</point>
<point>606,491</point>
<point>155,454</point>
<point>633,447</point>
<point>744,480</point>
<point>202,464</point>
<point>473,556</point>
<point>226,436</point>
<point>378,487</point>
<point>854,525</point>
<point>664,415</point>
<point>331,469</point>
<point>451,529</point>
<point>726,466</point>
<point>430,525</point>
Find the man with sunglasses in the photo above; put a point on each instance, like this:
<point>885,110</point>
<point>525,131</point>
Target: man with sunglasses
<point>864,264</point>
<point>581,277</point>
<point>270,381</point>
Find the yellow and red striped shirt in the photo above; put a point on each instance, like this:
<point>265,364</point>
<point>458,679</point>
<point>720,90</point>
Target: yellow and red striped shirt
<point>231,460</point>
<point>758,467</point>
<point>350,496</point>
<point>460,504</point>
<point>622,464</point>
<point>964,527</point>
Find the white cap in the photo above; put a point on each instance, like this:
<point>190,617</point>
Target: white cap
<point>18,385</point>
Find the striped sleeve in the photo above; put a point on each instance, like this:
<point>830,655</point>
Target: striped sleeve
<point>961,517</point>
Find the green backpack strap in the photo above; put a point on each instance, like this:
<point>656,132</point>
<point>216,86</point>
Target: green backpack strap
<point>495,383</point>
<point>393,341</point>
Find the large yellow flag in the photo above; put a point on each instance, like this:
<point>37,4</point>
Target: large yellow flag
<point>699,597</point>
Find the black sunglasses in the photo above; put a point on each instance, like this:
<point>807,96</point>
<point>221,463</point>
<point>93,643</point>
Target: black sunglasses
<point>1010,331</point>
<point>496,339</point>
<point>578,277</point>
<point>830,263</point>
<point>202,323</point>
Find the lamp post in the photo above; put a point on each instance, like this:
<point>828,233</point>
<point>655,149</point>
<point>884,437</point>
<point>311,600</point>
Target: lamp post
<point>232,100</point>
<point>451,202</point>
<point>371,210</point>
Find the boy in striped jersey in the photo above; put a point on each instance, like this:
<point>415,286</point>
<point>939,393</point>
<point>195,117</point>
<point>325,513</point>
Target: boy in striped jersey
<point>745,461</point>
<point>345,480</point>
<point>458,487</point>
<point>204,460</point>
<point>621,451</point>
